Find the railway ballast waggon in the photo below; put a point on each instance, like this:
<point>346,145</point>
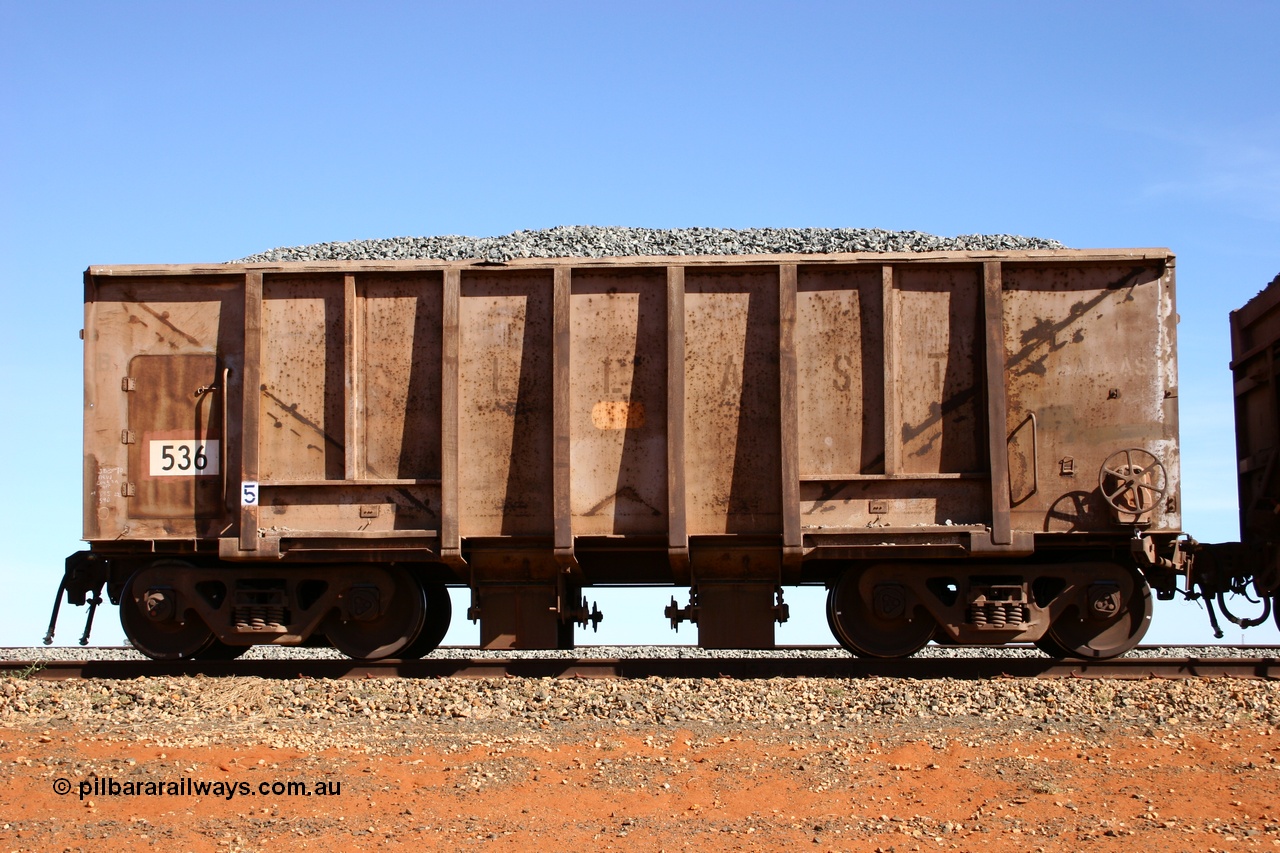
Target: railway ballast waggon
<point>962,446</point>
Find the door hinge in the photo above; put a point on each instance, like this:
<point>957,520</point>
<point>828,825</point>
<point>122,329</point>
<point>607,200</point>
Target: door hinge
<point>128,383</point>
<point>127,490</point>
<point>128,436</point>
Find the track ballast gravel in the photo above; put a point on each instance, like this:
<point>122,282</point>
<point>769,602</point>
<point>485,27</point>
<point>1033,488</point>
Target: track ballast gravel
<point>593,241</point>
<point>587,652</point>
<point>303,714</point>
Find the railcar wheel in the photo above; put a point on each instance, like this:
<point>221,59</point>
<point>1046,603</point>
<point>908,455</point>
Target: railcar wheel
<point>831,614</point>
<point>385,631</point>
<point>889,629</point>
<point>154,626</point>
<point>218,650</point>
<point>436,623</point>
<point>1052,648</point>
<point>1097,635</point>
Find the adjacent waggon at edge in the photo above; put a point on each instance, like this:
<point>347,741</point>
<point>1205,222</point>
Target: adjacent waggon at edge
<point>978,448</point>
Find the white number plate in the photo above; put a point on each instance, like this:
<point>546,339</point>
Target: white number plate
<point>175,457</point>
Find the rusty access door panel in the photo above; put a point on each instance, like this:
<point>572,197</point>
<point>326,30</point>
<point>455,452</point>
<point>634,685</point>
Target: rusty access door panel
<point>175,437</point>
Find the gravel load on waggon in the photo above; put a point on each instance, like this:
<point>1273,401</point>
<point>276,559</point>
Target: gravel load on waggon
<point>590,241</point>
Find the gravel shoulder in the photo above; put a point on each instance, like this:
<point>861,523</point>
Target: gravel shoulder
<point>719,764</point>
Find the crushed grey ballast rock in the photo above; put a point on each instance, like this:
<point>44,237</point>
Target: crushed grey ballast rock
<point>588,652</point>
<point>593,241</point>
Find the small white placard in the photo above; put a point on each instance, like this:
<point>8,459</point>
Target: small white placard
<point>248,494</point>
<point>183,457</point>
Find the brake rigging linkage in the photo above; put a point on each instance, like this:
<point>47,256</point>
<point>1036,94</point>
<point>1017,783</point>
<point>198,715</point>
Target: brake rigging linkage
<point>1213,571</point>
<point>1209,596</point>
<point>1239,585</point>
<point>82,578</point>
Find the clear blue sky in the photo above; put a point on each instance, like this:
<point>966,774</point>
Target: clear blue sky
<point>191,132</point>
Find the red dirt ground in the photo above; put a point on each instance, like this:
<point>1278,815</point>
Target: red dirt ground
<point>587,787</point>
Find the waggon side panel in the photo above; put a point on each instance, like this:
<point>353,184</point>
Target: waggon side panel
<point>891,428</point>
<point>349,419</point>
<point>840,364</point>
<point>505,404</point>
<point>168,340</point>
<point>400,343</point>
<point>328,367</point>
<point>891,395</point>
<point>350,407</point>
<point>618,426</point>
<point>732,424</point>
<point>939,349</point>
<point>1255,331</point>
<point>302,421</point>
<point>1089,352</point>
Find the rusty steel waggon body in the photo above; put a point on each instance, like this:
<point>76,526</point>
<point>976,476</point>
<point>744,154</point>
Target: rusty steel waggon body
<point>1255,365</point>
<point>980,448</point>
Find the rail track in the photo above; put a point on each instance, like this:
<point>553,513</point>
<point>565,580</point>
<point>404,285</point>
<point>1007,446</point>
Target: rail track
<point>743,667</point>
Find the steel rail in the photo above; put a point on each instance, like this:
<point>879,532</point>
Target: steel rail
<point>640,668</point>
